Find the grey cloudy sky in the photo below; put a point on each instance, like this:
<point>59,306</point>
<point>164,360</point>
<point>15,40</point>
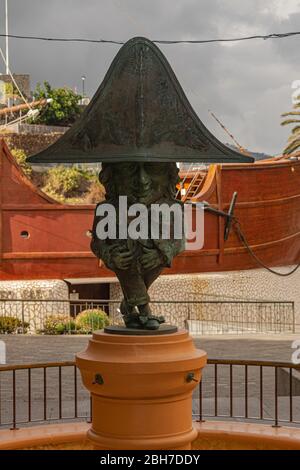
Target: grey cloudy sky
<point>248,84</point>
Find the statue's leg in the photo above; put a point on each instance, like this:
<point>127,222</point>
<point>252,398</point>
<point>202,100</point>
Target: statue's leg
<point>153,322</point>
<point>134,283</point>
<point>135,294</point>
<point>151,275</point>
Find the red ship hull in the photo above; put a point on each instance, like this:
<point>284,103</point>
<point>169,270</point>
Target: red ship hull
<point>42,239</point>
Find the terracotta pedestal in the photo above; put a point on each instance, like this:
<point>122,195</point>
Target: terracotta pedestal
<point>141,390</point>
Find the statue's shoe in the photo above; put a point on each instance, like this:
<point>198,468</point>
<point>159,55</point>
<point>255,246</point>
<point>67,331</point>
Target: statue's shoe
<point>132,321</point>
<point>143,322</point>
<point>134,325</point>
<point>152,324</point>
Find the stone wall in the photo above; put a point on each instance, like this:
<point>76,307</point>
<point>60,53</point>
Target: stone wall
<point>256,285</point>
<point>38,129</point>
<point>253,285</point>
<point>15,299</point>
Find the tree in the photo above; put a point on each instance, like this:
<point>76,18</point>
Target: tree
<point>64,108</point>
<point>293,118</point>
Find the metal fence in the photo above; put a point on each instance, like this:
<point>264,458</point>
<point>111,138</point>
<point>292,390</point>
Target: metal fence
<point>266,392</point>
<point>250,390</point>
<point>37,393</point>
<point>199,316</point>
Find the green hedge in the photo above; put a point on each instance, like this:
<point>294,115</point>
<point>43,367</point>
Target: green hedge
<point>91,320</point>
<point>86,322</point>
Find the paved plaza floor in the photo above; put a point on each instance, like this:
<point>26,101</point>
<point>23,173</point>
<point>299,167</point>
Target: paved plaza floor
<point>34,348</point>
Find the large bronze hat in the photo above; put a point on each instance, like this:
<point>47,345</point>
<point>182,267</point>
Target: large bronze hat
<point>139,113</point>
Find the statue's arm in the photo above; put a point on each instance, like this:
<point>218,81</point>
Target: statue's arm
<point>103,249</point>
<point>169,249</point>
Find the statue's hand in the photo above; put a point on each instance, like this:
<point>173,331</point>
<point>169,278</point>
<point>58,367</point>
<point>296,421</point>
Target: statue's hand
<point>151,258</point>
<point>122,259</point>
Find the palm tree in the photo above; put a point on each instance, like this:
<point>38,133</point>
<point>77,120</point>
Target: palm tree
<point>293,118</point>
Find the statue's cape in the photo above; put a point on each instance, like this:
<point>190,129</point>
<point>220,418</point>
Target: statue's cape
<point>139,113</point>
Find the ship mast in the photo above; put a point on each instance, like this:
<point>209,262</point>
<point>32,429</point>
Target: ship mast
<point>6,38</point>
<point>21,107</point>
<point>241,149</point>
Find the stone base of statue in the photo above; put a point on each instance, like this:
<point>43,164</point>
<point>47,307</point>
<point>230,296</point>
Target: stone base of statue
<point>141,388</point>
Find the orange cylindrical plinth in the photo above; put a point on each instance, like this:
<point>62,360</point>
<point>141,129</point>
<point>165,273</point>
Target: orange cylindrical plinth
<point>141,389</point>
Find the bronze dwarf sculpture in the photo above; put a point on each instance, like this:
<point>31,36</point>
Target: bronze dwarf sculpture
<point>138,124</point>
<point>137,263</point>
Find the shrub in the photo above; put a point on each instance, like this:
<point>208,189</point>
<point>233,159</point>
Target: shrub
<point>95,194</point>
<point>66,182</point>
<point>85,323</point>
<point>21,156</point>
<point>58,325</point>
<point>69,327</point>
<point>91,320</point>
<point>10,325</point>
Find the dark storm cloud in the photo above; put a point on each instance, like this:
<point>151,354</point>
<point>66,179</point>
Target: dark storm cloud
<point>248,85</point>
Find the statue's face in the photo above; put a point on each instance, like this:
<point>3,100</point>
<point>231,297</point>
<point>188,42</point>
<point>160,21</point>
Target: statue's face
<point>145,183</point>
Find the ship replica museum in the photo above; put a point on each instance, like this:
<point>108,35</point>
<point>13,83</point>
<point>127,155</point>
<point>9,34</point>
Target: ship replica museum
<point>141,116</point>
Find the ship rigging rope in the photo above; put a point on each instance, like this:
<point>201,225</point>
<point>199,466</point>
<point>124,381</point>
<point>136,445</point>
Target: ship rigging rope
<point>14,81</point>
<point>17,120</point>
<point>244,241</point>
<point>158,41</point>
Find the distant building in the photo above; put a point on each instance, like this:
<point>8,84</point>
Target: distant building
<point>23,81</point>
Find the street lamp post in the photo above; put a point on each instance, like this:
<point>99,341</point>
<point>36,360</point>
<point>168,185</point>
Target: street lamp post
<point>83,80</point>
